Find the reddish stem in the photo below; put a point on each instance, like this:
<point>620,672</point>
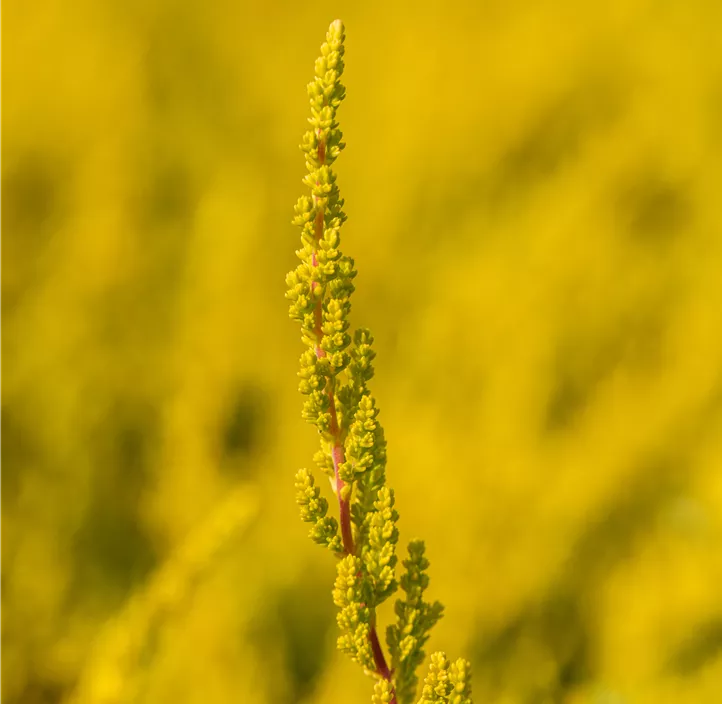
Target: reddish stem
<point>379,660</point>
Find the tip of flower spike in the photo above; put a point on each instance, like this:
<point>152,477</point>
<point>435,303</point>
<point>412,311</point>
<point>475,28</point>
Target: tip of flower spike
<point>336,27</point>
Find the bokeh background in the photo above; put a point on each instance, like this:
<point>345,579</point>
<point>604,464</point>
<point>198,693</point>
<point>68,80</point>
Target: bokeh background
<point>533,191</point>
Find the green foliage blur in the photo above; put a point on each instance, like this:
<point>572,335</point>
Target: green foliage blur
<point>533,192</point>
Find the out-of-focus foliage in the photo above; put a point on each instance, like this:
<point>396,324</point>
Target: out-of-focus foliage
<point>533,200</point>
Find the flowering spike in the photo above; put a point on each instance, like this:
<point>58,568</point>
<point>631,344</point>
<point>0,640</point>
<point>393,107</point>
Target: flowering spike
<point>354,617</point>
<point>437,685</point>
<point>445,683</point>
<point>460,678</point>
<point>324,530</point>
<point>379,554</point>
<point>415,618</point>
<point>335,369</point>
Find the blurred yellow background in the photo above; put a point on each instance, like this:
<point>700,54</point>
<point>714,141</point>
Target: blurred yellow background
<point>533,192</point>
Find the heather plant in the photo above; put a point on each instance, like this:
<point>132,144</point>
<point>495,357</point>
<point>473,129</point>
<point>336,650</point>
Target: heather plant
<point>336,368</point>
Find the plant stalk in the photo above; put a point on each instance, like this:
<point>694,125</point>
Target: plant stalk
<point>337,451</point>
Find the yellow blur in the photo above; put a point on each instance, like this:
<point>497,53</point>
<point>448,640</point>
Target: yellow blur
<point>533,192</point>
